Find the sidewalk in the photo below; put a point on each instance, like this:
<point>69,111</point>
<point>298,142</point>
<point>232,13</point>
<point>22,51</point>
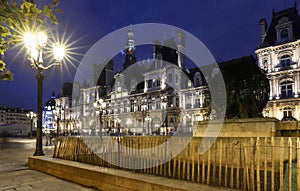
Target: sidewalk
<point>15,174</point>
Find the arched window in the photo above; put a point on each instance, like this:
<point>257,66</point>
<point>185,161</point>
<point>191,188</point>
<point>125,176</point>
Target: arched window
<point>286,89</point>
<point>287,112</point>
<point>284,34</point>
<point>285,60</point>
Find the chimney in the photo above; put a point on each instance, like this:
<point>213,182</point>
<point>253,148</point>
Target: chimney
<point>264,26</point>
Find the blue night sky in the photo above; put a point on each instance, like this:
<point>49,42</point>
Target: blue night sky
<point>230,29</point>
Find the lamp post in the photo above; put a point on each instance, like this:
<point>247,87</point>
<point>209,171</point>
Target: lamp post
<point>35,43</point>
<point>31,115</point>
<point>100,105</point>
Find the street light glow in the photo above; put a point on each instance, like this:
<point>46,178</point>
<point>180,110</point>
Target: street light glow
<point>42,38</point>
<point>30,40</point>
<point>59,52</point>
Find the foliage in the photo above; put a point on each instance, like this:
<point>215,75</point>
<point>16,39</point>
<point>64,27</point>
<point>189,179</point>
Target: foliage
<point>246,86</point>
<point>16,18</point>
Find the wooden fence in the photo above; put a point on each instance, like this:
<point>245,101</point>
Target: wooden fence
<point>268,163</point>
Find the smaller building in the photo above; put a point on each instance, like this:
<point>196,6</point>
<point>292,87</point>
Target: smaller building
<point>14,121</point>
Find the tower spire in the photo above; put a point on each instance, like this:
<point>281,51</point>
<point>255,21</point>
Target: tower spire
<point>130,58</point>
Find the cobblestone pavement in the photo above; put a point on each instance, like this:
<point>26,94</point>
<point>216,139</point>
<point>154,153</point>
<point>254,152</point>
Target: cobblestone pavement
<point>15,174</point>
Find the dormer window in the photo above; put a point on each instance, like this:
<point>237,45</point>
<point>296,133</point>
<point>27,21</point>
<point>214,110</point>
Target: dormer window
<point>284,34</point>
<point>197,79</point>
<point>285,61</point>
<point>284,30</point>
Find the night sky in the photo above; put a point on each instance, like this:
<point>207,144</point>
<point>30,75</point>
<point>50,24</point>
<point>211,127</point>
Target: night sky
<point>230,29</point>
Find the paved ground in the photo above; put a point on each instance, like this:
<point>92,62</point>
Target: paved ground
<point>15,174</point>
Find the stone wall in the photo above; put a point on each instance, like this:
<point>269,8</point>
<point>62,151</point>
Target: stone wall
<point>256,127</point>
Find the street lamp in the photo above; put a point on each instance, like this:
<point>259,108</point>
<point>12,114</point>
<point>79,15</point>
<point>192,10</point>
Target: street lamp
<point>31,115</point>
<point>100,105</point>
<point>148,119</point>
<point>34,44</point>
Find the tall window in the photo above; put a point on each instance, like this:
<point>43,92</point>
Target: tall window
<point>149,82</point>
<point>197,103</point>
<point>284,34</point>
<point>158,82</point>
<point>286,89</point>
<point>197,79</point>
<point>287,112</point>
<point>285,60</point>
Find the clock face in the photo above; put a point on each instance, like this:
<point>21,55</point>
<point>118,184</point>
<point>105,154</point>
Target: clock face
<point>119,89</point>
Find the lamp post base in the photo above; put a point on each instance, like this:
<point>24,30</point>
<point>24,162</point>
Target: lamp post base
<point>39,153</point>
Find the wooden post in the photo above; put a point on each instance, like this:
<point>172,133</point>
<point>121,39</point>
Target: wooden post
<point>193,159</point>
<point>188,158</point>
<point>298,164</point>
<point>215,162</point>
<point>198,165</point>
<point>272,164</point>
<point>290,163</point>
<point>257,164</point>
<point>280,163</point>
<point>231,164</point>
<point>203,158</point>
<point>265,163</point>
<point>252,146</point>
<point>246,172</point>
<point>226,162</point>
<point>220,161</point>
<point>208,164</point>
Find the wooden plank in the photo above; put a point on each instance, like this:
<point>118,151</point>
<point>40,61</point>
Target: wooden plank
<point>188,162</point>
<point>208,164</point>
<point>280,164</point>
<point>290,158</point>
<point>298,164</point>
<point>170,156</point>
<point>257,164</point>
<point>157,157</point>
<point>226,163</point>
<point>238,165</point>
<point>231,165</point>
<point>198,163</point>
<point>246,171</point>
<point>193,159</point>
<point>220,161</point>
<point>215,162</point>
<point>203,159</point>
<point>272,164</point>
<point>252,146</point>
<point>265,163</point>
<point>184,162</point>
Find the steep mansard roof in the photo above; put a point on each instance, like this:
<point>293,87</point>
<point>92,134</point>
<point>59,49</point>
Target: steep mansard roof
<point>292,15</point>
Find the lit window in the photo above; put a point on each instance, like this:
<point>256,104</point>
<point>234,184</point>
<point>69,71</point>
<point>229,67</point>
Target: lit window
<point>287,112</point>
<point>285,60</point>
<point>286,89</point>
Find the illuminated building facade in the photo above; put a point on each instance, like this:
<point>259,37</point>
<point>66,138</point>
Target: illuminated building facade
<point>279,55</point>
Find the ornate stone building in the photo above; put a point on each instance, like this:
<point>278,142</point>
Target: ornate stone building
<point>155,96</point>
<point>279,55</point>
